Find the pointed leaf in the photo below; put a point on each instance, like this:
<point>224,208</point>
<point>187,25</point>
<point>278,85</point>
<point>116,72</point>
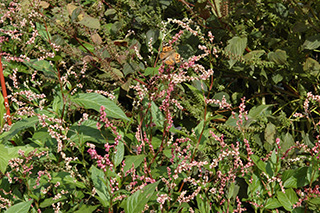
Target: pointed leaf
<point>99,181</point>
<point>43,66</point>
<point>118,157</point>
<point>259,163</point>
<point>157,116</point>
<point>90,22</point>
<point>278,57</point>
<point>22,207</point>
<point>273,203</point>
<point>312,42</point>
<point>235,48</point>
<point>135,159</point>
<point>287,199</point>
<point>137,201</point>
<point>19,126</point>
<point>95,101</point>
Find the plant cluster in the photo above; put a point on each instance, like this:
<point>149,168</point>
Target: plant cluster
<point>159,106</point>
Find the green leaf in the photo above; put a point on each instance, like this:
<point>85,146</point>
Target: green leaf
<point>157,116</point>
<point>87,209</point>
<point>312,42</point>
<point>314,201</point>
<point>134,159</point>
<point>279,57</point>
<point>255,112</point>
<point>277,78</point>
<point>49,201</point>
<point>287,199</point>
<point>203,203</point>
<point>7,153</point>
<point>137,201</point>
<point>298,179</point>
<point>288,141</point>
<point>254,54</point>
<point>4,158</point>
<point>19,126</point>
<point>110,12</point>
<point>270,136</point>
<point>43,32</point>
<point>272,203</point>
<point>259,163</point>
<point>235,48</point>
<point>95,101</point>
<point>22,207</point>
<point>118,157</point>
<point>151,71</point>
<point>99,181</point>
<point>87,131</point>
<point>230,190</point>
<point>152,34</point>
<point>43,66</point>
<point>311,66</point>
<point>90,22</point>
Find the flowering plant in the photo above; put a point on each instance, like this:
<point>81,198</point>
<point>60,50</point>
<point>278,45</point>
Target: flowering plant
<point>102,123</point>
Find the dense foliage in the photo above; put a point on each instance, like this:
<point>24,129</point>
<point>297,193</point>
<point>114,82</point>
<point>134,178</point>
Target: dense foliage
<point>160,106</point>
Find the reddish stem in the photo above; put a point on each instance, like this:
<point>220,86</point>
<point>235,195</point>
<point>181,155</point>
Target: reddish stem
<point>5,96</point>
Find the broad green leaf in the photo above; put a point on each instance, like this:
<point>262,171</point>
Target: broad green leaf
<point>312,42</point>
<point>151,71</point>
<point>152,34</point>
<point>43,32</point>
<point>67,180</point>
<point>43,66</point>
<point>4,158</point>
<point>274,157</point>
<point>7,153</point>
<point>277,78</point>
<point>157,116</point>
<point>287,142</point>
<point>315,201</point>
<point>235,48</point>
<point>256,111</point>
<point>110,12</point>
<point>254,186</point>
<point>19,126</point>
<point>259,163</point>
<point>270,136</point>
<point>311,66</point>
<point>90,22</point>
<point>279,57</point>
<point>134,159</point>
<point>254,54</point>
<point>87,131</point>
<point>87,209</point>
<point>230,190</point>
<point>137,201</point>
<point>272,203</point>
<point>298,179</point>
<point>49,201</point>
<point>287,199</point>
<point>95,101</point>
<point>119,153</point>
<point>85,47</point>
<point>99,180</point>
<point>129,67</point>
<point>22,207</point>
